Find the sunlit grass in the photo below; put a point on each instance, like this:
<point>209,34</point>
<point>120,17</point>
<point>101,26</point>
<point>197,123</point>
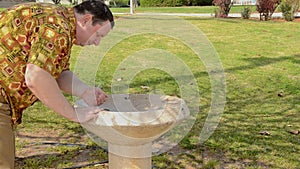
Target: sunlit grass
<point>261,60</point>
<point>191,9</point>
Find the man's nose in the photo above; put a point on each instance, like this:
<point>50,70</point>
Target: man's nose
<point>97,42</point>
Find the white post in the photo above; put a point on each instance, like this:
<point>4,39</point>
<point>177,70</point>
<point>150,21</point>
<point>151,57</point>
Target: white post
<point>131,7</point>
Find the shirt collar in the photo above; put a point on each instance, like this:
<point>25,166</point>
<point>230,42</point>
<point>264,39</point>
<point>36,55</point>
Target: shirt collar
<point>72,23</point>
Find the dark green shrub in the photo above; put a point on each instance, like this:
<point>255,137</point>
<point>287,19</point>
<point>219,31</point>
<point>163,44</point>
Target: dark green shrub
<point>217,12</point>
<point>286,10</point>
<point>289,9</point>
<point>205,3</point>
<point>199,2</point>
<point>171,3</point>
<point>151,3</point>
<point>162,3</point>
<point>246,13</point>
<point>158,3</point>
<point>121,2</point>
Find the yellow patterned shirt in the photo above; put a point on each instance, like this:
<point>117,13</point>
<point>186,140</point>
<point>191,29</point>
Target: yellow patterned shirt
<point>37,33</point>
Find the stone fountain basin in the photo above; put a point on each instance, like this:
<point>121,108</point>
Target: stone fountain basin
<point>136,119</point>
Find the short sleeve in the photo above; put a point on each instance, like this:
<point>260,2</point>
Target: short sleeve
<point>50,50</point>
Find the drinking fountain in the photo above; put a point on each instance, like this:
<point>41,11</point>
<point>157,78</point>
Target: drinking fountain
<point>129,123</point>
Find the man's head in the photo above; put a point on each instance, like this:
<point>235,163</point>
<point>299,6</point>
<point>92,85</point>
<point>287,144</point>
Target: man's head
<point>94,20</point>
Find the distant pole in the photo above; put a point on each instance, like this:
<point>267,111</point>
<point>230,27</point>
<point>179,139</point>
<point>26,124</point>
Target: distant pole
<point>131,7</point>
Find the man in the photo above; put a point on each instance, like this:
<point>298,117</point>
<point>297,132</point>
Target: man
<point>35,45</point>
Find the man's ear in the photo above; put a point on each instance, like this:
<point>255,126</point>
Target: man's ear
<point>85,19</point>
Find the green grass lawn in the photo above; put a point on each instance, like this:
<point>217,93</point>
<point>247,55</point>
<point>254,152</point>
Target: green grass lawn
<point>262,64</point>
<point>261,60</point>
<point>193,9</point>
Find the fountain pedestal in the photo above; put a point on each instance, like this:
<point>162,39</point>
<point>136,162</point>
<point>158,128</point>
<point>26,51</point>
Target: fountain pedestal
<point>130,123</point>
<point>131,157</point>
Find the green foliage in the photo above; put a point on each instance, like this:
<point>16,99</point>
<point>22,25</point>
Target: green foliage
<point>246,13</point>
<point>211,164</point>
<point>197,2</point>
<point>121,2</point>
<point>161,3</point>
<point>33,163</point>
<point>204,3</point>
<point>289,9</point>
<point>149,3</point>
<point>172,3</point>
<point>217,12</point>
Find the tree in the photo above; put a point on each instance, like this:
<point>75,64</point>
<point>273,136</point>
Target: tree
<point>266,8</point>
<point>224,7</point>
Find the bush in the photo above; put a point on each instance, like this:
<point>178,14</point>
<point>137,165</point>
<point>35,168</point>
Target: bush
<point>163,3</point>
<point>159,3</point>
<point>200,2</point>
<point>289,9</point>
<point>217,13</point>
<point>266,8</point>
<point>121,2</point>
<point>286,11</point>
<point>224,7</point>
<point>246,13</point>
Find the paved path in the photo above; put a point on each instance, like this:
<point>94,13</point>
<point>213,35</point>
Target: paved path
<point>254,15</point>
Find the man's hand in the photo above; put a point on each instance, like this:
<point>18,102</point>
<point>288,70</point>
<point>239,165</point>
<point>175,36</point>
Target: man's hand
<point>85,114</point>
<point>69,83</point>
<point>93,96</point>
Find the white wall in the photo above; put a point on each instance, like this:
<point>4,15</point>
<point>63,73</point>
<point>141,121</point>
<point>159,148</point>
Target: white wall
<point>244,2</point>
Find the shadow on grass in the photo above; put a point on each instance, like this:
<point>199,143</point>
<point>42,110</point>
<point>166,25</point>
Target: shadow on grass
<point>237,139</point>
<point>263,61</point>
<point>252,110</point>
<point>256,106</point>
<point>79,156</point>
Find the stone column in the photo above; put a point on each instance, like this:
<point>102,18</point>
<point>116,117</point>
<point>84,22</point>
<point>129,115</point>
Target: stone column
<point>130,157</point>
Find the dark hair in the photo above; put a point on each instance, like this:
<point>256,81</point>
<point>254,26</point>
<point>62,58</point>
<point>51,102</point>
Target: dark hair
<point>98,9</point>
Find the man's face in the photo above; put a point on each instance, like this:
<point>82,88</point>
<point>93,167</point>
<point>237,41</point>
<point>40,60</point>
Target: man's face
<point>89,34</point>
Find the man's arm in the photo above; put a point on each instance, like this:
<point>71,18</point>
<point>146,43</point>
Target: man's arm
<point>46,89</point>
<point>69,83</point>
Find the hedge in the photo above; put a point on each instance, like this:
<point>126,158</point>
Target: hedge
<point>173,3</point>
